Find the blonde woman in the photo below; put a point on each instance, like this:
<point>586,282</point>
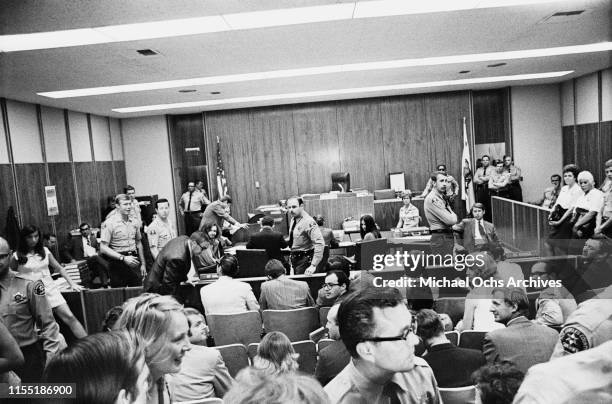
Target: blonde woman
<point>275,354</point>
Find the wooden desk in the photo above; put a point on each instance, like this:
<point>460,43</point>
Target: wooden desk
<point>386,212</point>
<point>336,210</point>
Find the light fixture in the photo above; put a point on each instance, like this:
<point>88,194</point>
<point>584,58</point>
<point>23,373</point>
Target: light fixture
<point>187,90</point>
<point>345,91</point>
<point>329,69</point>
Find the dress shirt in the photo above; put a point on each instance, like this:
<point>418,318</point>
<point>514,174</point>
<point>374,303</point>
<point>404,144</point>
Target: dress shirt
<point>88,250</point>
<point>198,199</point>
<point>498,181</point>
<point>568,196</point>
<point>120,235</point>
<point>227,295</point>
<point>482,172</point>
<point>592,201</point>
<point>409,216</point>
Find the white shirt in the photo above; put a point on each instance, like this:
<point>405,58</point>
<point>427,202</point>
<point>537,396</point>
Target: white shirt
<point>227,295</point>
<point>592,202</point>
<point>568,196</point>
<point>88,250</point>
<point>477,234</point>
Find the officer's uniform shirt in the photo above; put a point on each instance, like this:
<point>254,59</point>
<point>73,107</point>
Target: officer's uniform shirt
<point>23,305</point>
<point>451,190</point>
<point>497,180</point>
<point>438,212</point>
<point>306,236</point>
<point>416,386</point>
<point>159,233</point>
<point>121,236</point>
<point>515,173</point>
<point>482,172</point>
<point>198,200</point>
<point>589,326</point>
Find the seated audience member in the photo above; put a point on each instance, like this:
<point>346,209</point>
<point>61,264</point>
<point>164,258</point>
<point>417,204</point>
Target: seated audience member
<point>549,198</point>
<point>476,234</point>
<point>584,212</point>
<point>497,383</point>
<point>161,230</point>
<point>10,357</point>
<point>111,317</point>
<point>212,243</point>
<point>106,368</point>
<point>451,190</point>
<point>87,248</point>
<point>379,333</point>
<point>50,241</point>
<point>275,355</point>
<point>326,232</point>
<point>554,304</point>
<point>227,295</point>
<point>590,325</point>
<point>334,357</point>
<point>255,387</point>
<point>440,352</point>
<point>408,214</point>
<point>281,292</point>
<point>269,239</point>
<point>203,372</point>
<point>522,342</point>
<point>559,218</point>
<point>160,322</point>
<point>499,180</point>
<point>335,288</point>
<point>604,219</point>
<point>561,379</point>
<point>368,229</point>
<point>514,187</point>
<point>597,261</point>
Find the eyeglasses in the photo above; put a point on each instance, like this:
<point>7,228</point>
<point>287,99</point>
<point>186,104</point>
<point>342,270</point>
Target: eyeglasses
<point>85,229</point>
<point>293,206</point>
<point>404,336</point>
<point>330,285</point>
<point>3,256</point>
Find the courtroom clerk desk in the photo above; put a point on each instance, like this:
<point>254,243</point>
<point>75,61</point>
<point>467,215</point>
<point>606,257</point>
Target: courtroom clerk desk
<point>336,210</point>
<point>386,212</point>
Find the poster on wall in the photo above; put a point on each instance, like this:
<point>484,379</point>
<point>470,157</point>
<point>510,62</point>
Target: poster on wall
<point>52,208</point>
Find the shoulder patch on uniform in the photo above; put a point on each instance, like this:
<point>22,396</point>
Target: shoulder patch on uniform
<point>438,202</point>
<point>151,231</point>
<point>573,340</point>
<point>39,289</point>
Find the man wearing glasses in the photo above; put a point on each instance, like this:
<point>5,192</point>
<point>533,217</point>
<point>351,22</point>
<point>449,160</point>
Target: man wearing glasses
<point>334,289</point>
<point>86,247</point>
<point>379,333</point>
<point>305,239</point>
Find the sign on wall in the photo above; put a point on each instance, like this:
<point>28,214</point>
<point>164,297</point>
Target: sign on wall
<point>52,208</point>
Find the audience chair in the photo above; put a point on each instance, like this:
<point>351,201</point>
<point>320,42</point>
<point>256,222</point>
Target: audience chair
<point>471,339</point>
<point>458,395</point>
<point>132,291</point>
<point>251,263</point>
<point>237,328</point>
<point>96,303</point>
<point>453,337</point>
<point>235,357</point>
<point>252,350</point>
<point>323,311</point>
<point>308,356</point>
<point>453,306</point>
<point>296,324</point>
<point>210,400</point>
<point>324,342</point>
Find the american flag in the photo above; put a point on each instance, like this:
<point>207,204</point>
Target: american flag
<point>221,180</point>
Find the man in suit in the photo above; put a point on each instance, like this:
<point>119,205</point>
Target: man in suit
<point>282,293</point>
<point>86,247</point>
<point>270,240</point>
<point>522,342</point>
<point>326,232</point>
<point>334,357</point>
<point>476,234</point>
<point>441,352</point>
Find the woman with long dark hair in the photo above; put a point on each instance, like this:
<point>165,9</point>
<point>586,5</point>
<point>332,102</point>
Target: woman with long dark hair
<point>33,261</point>
<point>368,228</point>
<point>211,244</point>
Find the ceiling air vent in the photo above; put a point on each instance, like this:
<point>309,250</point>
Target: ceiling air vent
<point>563,16</point>
<point>147,52</point>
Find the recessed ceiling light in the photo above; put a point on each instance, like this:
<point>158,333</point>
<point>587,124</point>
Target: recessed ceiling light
<point>329,69</point>
<point>215,92</point>
<point>189,90</point>
<point>147,52</point>
<point>497,64</point>
<point>464,71</point>
<point>344,91</point>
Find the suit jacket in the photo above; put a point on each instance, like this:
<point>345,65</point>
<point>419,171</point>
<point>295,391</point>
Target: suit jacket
<point>467,227</point>
<point>328,237</point>
<point>464,362</point>
<point>522,342</point>
<point>332,359</point>
<point>74,248</point>
<point>284,293</point>
<point>269,240</point>
<point>170,267</point>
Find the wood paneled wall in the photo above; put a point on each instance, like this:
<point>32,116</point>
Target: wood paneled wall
<point>294,149</point>
<point>491,116</point>
<point>46,158</point>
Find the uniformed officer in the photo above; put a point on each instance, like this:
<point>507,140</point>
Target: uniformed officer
<point>451,188</point>
<point>191,206</point>
<point>160,231</point>
<point>589,326</point>
<point>121,243</point>
<point>440,216</point>
<point>135,212</point>
<point>26,313</point>
<point>305,239</point>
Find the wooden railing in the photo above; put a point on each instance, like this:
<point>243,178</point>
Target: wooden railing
<point>520,226</point>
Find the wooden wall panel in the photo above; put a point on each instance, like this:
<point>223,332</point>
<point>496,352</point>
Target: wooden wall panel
<point>87,191</point>
<point>490,116</point>
<point>568,145</point>
<point>315,134</point>
<point>405,140</point>
<point>7,194</point>
<point>233,130</point>
<point>106,183</point>
<point>60,175</point>
<point>120,176</point>
<point>31,181</point>
<point>587,150</point>
<point>605,143</point>
<point>361,143</point>
<point>273,154</point>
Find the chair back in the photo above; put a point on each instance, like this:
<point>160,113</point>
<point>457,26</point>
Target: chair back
<point>237,328</point>
<point>296,324</point>
<point>252,350</point>
<point>96,303</point>
<point>458,395</point>
<point>453,306</point>
<point>453,337</point>
<point>323,311</point>
<point>324,343</point>
<point>235,357</point>
<point>210,400</point>
<point>471,339</point>
<point>255,218</point>
<point>308,356</point>
<point>252,263</point>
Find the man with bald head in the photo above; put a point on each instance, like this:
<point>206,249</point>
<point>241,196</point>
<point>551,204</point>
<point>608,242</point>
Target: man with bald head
<point>334,357</point>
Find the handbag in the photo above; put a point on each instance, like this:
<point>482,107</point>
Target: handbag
<point>557,213</point>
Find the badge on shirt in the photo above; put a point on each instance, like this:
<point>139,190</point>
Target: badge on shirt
<point>152,232</point>
<point>573,340</point>
<point>39,289</point>
<point>19,297</point>
<point>438,203</point>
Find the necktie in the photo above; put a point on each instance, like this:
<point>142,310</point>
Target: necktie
<point>483,234</point>
<point>391,392</point>
<point>291,233</point>
<point>189,203</point>
<point>88,241</point>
